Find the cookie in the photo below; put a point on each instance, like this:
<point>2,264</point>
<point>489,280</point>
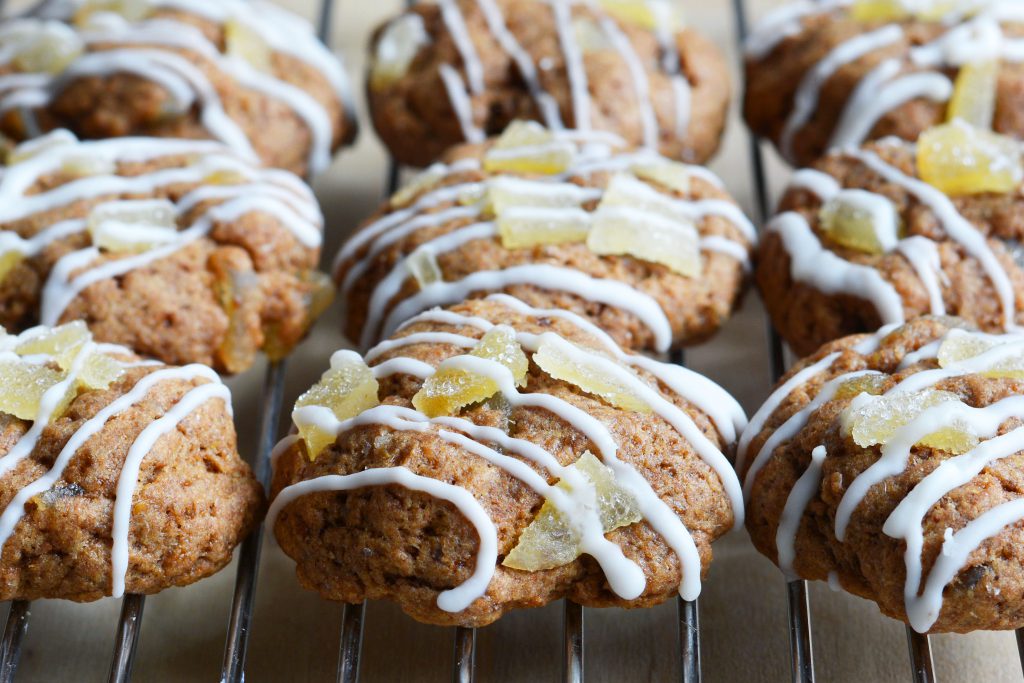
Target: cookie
<point>861,241</point>
<point>461,70</point>
<point>834,74</point>
<point>652,251</point>
<point>891,465</point>
<point>178,249</point>
<point>248,74</point>
<point>493,456</point>
<point>117,474</point>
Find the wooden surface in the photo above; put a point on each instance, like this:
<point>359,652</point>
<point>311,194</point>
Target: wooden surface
<point>295,634</point>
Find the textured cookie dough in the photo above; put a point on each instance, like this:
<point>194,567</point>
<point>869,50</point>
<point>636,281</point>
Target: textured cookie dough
<point>228,270</point>
<point>821,76</point>
<point>461,70</point>
<point>246,73</point>
<point>404,545</point>
<point>448,215</point>
<point>954,500</point>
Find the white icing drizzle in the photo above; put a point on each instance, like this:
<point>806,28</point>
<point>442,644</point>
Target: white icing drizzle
<point>359,254</point>
<point>143,443</point>
<point>576,72</point>
<point>455,599</point>
<point>922,596</point>
<point>456,25</point>
<point>923,255</point>
<point>146,49</point>
<point>278,194</point>
<point>815,265</point>
<point>461,103</point>
<point>578,504</point>
<point>887,86</point>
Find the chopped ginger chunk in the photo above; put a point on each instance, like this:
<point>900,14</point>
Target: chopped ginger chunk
<point>974,95</point>
<point>960,159</point>
<point>873,384</point>
<point>397,47</point>
<point>551,540</point>
<point>133,225</point>
<point>241,40</point>
<point>348,388</point>
<point>452,388</point>
<point>861,220</point>
<point>877,421</point>
<point>959,346</point>
<point>590,372</point>
<point>528,147</point>
<point>523,227</point>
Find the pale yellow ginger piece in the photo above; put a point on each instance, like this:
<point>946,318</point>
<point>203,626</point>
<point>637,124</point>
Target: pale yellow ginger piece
<point>874,384</point>
<point>591,372</point>
<point>450,388</point>
<point>24,385</point>
<point>590,36</point>
<point>396,49</point>
<point>666,15</point>
<point>974,94</point>
<point>523,227</point>
<point>427,179</point>
<point>505,192</point>
<point>861,220</point>
<point>670,174</point>
<point>132,10</point>
<point>83,165</point>
<point>133,225</point>
<point>552,541</point>
<point>528,147</point>
<point>960,159</point>
<point>876,421</point>
<point>347,389</point>
<point>225,176</point>
<point>871,11</point>
<point>8,260</point>
<point>635,219</point>
<point>422,265</point>
<point>44,46</point>
<point>959,346</point>
<point>33,148</point>
<point>64,344</point>
<point>241,40</point>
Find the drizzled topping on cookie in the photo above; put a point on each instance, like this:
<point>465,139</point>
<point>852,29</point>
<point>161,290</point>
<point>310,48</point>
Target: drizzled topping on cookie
<point>897,418</point>
<point>42,371</point>
<point>639,214</point>
<point>595,494</point>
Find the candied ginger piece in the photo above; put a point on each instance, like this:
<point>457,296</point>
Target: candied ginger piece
<point>24,385</point>
<point>133,225</point>
<point>99,371</point>
<point>873,383</point>
<point>528,147</point>
<point>652,15</point>
<point>241,40</point>
<point>397,48</point>
<point>959,346</point>
<point>452,388</point>
<point>590,372</point>
<point>551,540</point>
<point>960,159</point>
<point>505,192</point>
<point>83,165</point>
<point>33,148</point>
<point>62,343</point>
<point>13,250</point>
<point>974,94</point>
<point>527,226</point>
<point>422,265</point>
<point>44,46</point>
<point>861,220</point>
<point>636,232</point>
<point>876,421</point>
<point>131,10</point>
<point>348,388</point>
<point>879,10</point>
<point>670,174</point>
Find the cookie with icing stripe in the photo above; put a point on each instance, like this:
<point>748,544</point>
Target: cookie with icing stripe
<point>248,74</point>
<point>861,239</point>
<point>178,249</point>
<point>892,465</point>
<point>460,70</point>
<point>839,72</point>
<point>117,474</point>
<point>653,251</point>
<point>493,455</point>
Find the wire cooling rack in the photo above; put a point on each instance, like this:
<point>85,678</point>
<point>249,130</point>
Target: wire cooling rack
<point>464,669</point>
